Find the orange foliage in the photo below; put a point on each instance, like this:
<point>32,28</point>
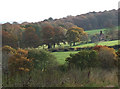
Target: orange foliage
<point>107,56</point>
<point>22,52</point>
<point>19,63</point>
<point>98,47</point>
<point>8,49</point>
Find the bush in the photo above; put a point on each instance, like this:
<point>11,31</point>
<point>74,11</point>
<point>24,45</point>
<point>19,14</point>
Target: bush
<point>54,50</point>
<point>72,49</point>
<point>77,48</point>
<point>98,47</point>
<point>19,63</point>
<point>83,59</point>
<point>42,59</point>
<point>66,49</point>
<point>7,51</point>
<point>107,57</point>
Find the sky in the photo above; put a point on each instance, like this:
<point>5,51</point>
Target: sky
<point>38,10</point>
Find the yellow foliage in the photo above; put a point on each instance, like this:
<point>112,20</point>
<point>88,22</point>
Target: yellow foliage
<point>111,51</point>
<point>22,52</point>
<point>107,56</point>
<point>18,62</point>
<point>8,49</point>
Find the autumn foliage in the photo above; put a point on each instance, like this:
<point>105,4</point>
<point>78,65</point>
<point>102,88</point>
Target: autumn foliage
<point>9,39</point>
<point>19,63</point>
<point>30,38</point>
<point>98,47</point>
<point>107,56</point>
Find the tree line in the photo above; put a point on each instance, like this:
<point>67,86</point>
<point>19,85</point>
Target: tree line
<point>34,35</point>
<point>52,32</point>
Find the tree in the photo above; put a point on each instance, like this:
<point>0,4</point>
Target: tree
<point>83,59</point>
<point>75,34</point>
<point>30,38</point>
<point>59,35</point>
<point>42,59</point>
<point>48,34</point>
<point>9,39</point>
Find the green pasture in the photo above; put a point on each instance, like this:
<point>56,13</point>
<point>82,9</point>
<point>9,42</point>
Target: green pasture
<point>61,56</point>
<point>107,43</point>
<point>92,32</point>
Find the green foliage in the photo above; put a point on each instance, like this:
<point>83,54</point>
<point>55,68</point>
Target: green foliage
<point>83,59</point>
<point>42,59</point>
<point>75,34</point>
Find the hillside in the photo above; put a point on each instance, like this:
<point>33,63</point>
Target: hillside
<point>91,20</point>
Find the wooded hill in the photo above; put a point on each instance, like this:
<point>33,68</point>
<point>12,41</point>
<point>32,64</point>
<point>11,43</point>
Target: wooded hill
<point>92,20</point>
<point>54,31</point>
<point>88,21</point>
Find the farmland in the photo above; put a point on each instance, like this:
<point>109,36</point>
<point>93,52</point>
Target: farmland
<point>61,56</point>
<point>96,31</point>
<point>65,52</point>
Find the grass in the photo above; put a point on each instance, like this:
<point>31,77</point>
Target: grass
<point>91,32</point>
<point>107,43</point>
<point>72,78</point>
<point>61,56</point>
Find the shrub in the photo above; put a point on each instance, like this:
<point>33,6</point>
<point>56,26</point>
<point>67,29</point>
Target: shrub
<point>107,57</point>
<point>118,58</point>
<point>54,49</point>
<point>83,59</point>
<point>77,48</point>
<point>7,51</point>
<point>42,59</point>
<point>66,49</point>
<point>19,62</point>
<point>72,49</point>
<point>118,52</point>
<point>97,47</point>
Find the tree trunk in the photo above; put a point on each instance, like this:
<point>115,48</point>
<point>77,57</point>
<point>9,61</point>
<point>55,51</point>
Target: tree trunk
<point>70,44</point>
<point>49,46</point>
<point>54,45</point>
<point>43,46</point>
<point>73,43</point>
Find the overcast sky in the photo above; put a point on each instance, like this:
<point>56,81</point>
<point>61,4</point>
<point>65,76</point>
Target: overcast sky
<point>38,10</point>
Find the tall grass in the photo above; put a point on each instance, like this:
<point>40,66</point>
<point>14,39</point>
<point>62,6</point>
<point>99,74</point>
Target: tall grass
<point>72,78</point>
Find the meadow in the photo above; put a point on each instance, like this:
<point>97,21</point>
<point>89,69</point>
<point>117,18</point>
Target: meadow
<point>43,66</point>
<point>61,56</point>
<point>96,31</point>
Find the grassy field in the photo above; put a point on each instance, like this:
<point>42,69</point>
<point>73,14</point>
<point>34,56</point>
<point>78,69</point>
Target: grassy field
<point>61,56</point>
<point>107,43</point>
<point>91,32</point>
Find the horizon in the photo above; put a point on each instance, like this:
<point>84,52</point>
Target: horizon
<point>34,11</point>
<point>53,18</point>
